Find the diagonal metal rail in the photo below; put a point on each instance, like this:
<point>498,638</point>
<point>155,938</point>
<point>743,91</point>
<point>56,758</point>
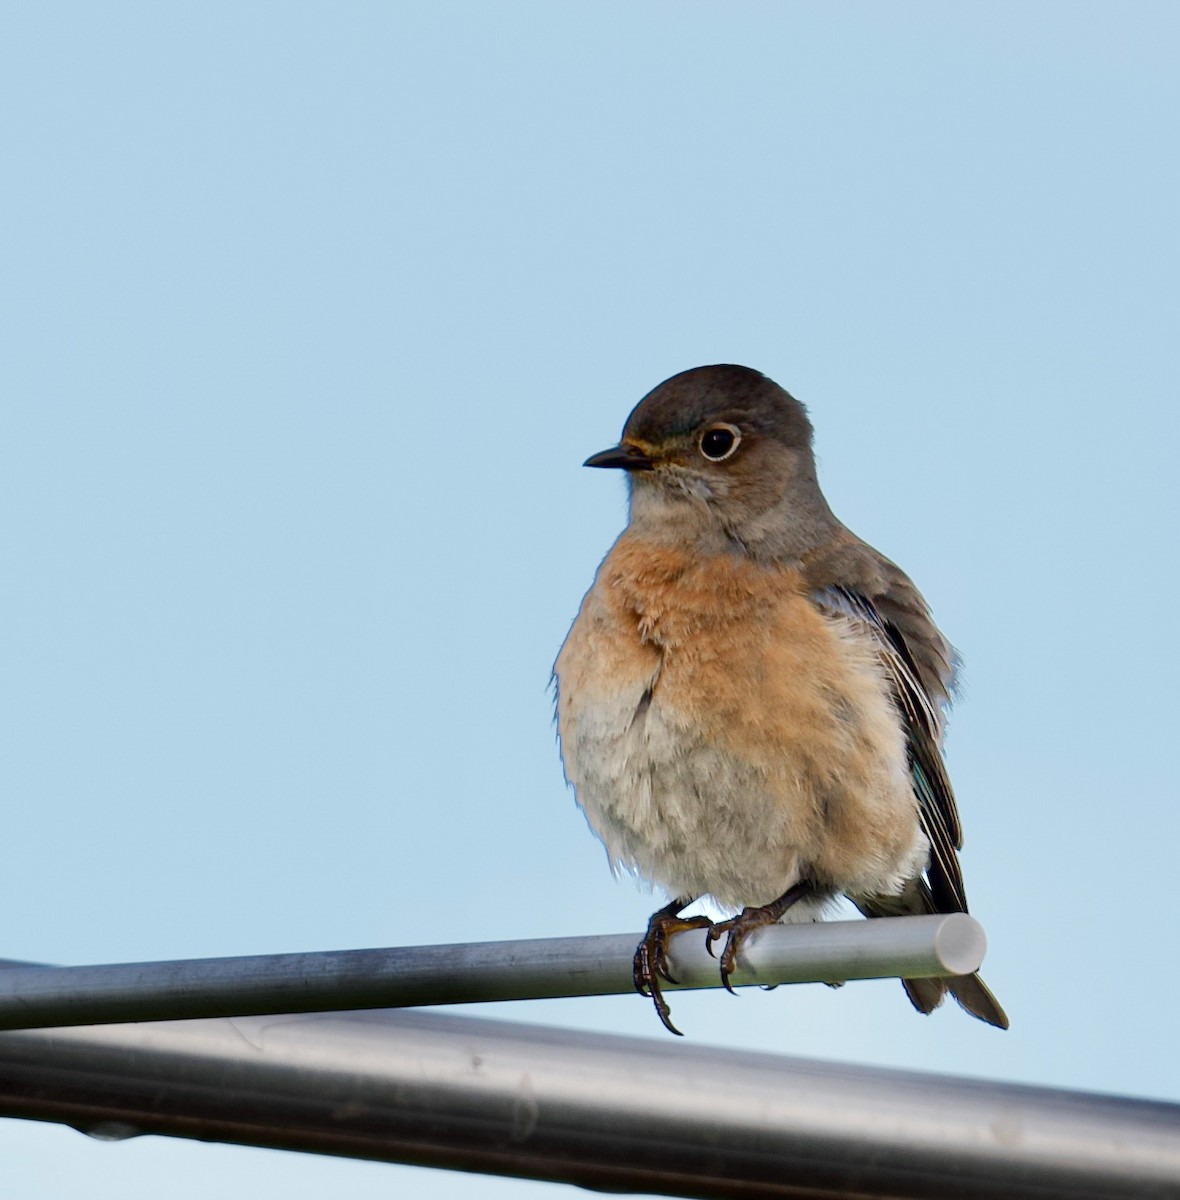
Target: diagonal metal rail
<point>339,980</point>
<point>596,1110</point>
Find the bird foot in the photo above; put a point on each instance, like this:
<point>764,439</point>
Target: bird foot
<point>650,964</point>
<point>738,928</point>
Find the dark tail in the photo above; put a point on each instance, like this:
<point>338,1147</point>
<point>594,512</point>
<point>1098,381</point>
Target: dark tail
<point>971,993</point>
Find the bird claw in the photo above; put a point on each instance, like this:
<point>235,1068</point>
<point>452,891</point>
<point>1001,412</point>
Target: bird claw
<point>735,934</point>
<point>650,963</point>
<point>664,1012</point>
<point>737,929</point>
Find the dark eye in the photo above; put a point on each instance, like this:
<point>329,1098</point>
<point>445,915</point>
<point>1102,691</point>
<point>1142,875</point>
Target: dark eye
<point>718,442</point>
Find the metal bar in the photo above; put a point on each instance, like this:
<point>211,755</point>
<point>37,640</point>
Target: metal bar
<point>37,996</point>
<point>596,1110</point>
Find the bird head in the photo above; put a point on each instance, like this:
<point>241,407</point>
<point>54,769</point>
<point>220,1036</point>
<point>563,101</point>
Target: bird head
<point>724,450</point>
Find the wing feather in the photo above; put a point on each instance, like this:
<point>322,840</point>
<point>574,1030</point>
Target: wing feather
<point>923,715</point>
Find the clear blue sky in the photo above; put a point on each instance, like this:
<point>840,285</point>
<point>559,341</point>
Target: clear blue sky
<point>310,313</point>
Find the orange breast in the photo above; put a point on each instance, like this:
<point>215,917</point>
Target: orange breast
<point>722,732</point>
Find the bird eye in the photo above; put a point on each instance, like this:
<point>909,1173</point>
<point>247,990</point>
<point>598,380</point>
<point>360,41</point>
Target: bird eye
<point>718,442</point>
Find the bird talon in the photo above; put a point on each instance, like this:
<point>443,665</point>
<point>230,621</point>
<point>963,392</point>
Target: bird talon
<point>660,958</point>
<point>651,963</point>
<point>646,975</point>
<point>738,928</point>
<point>729,960</point>
<point>665,1014</point>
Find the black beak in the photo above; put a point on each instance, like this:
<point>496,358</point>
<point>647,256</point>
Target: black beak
<point>629,458</point>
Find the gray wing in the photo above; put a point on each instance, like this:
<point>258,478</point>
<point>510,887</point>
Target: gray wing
<point>920,666</point>
<point>856,583</point>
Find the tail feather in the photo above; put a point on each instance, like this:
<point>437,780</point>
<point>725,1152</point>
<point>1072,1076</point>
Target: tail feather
<point>925,994</point>
<point>975,997</point>
<point>970,992</point>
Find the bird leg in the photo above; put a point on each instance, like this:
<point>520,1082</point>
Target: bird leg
<point>651,955</point>
<point>740,927</point>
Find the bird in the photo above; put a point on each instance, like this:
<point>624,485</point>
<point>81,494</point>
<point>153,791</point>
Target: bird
<point>751,701</point>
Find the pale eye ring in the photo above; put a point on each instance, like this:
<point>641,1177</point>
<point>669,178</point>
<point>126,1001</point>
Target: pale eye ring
<point>719,441</point>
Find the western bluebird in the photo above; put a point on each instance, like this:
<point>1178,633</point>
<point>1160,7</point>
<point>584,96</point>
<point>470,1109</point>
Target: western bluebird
<point>751,700</point>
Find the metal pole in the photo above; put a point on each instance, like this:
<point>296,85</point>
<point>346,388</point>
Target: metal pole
<point>596,1110</point>
<point>38,996</point>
